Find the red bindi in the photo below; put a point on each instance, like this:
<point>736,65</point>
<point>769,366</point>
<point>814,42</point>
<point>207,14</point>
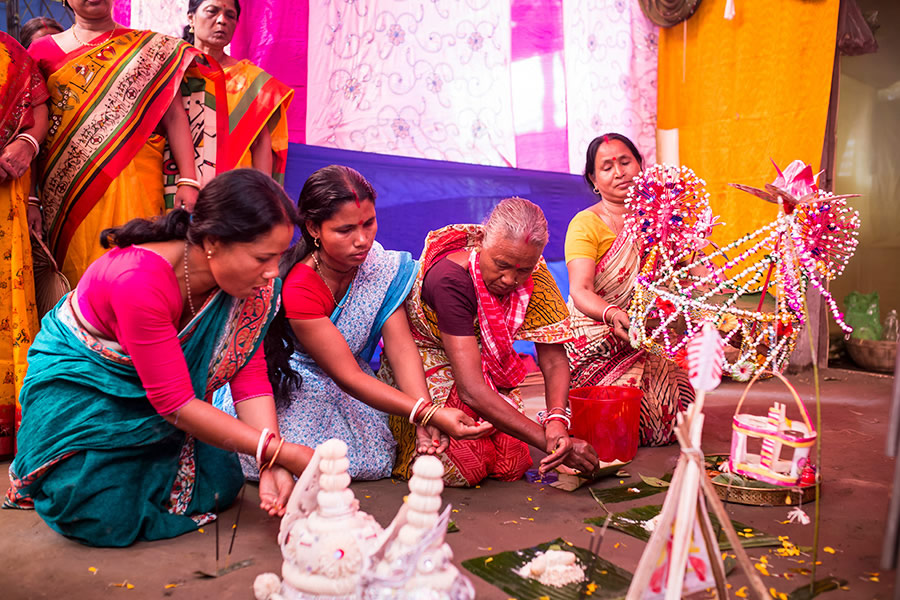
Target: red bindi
<point>361,222</point>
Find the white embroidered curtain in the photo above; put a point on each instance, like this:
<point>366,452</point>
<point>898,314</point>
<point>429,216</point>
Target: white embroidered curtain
<point>163,16</point>
<point>426,79</point>
<point>610,61</point>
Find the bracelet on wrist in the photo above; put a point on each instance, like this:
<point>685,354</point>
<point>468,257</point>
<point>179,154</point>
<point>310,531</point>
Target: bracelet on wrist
<point>606,311</point>
<point>274,456</point>
<point>562,418</point>
<point>187,181</point>
<point>428,415</point>
<point>415,411</point>
<point>32,141</point>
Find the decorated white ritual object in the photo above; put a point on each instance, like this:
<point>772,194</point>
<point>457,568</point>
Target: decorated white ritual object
<point>680,287</point>
<point>413,561</point>
<point>326,541</point>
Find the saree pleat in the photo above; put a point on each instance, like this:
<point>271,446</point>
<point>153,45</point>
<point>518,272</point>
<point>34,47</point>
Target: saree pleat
<point>95,460</point>
<point>21,88</point>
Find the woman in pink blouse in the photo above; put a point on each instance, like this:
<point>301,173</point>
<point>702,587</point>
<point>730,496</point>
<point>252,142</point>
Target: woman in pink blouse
<point>119,441</point>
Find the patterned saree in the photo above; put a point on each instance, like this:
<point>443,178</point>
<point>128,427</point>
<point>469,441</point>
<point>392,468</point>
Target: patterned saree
<point>598,357</point>
<point>546,321</point>
<point>21,88</point>
<point>256,100</point>
<point>103,164</point>
<point>95,460</point>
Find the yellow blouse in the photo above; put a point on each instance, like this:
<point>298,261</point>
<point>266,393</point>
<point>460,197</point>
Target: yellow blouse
<point>588,237</point>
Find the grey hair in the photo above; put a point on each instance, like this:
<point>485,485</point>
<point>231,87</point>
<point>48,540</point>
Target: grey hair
<point>517,219</point>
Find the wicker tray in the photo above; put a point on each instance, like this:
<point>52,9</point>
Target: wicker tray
<point>757,496</point>
<point>873,355</point>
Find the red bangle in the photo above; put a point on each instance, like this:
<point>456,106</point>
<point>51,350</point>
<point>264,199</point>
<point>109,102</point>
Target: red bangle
<point>262,454</point>
<point>606,310</point>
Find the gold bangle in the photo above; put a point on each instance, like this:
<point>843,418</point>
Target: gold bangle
<point>431,411</point>
<point>275,456</point>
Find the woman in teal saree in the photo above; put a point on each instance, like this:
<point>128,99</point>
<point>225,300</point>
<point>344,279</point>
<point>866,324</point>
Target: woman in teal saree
<point>105,455</point>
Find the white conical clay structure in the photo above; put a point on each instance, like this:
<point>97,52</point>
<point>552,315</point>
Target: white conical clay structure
<point>326,541</point>
<point>414,561</point>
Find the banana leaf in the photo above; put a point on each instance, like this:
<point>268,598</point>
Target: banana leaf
<point>501,570</point>
<point>819,587</point>
<point>621,493</point>
<point>632,522</point>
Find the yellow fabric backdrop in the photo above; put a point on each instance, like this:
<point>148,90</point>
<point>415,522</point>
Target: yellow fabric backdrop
<point>750,89</point>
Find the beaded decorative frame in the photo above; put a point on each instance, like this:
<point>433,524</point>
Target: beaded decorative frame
<point>679,287</point>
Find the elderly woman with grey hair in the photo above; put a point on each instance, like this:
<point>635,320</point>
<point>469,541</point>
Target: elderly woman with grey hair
<point>480,287</point>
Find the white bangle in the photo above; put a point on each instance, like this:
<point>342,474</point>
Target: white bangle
<point>259,446</point>
<point>31,140</point>
<point>187,181</point>
<point>415,409</point>
<point>557,417</point>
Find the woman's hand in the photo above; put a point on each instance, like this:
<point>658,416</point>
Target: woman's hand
<point>619,322</point>
<point>275,487</point>
<point>459,425</point>
<point>583,458</point>
<point>186,197</point>
<point>431,440</point>
<point>558,444</point>
<point>35,221</point>
<point>15,158</point>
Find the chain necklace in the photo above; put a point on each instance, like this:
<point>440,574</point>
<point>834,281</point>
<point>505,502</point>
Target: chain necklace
<point>93,44</point>
<point>187,281</point>
<point>349,290</point>
<point>610,221</point>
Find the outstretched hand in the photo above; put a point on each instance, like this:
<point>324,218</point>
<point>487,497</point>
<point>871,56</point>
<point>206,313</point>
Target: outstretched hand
<point>431,440</point>
<point>459,425</point>
<point>275,487</point>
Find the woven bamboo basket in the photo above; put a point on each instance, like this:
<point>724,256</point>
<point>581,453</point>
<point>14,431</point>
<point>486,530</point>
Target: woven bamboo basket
<point>873,355</point>
<point>758,496</point>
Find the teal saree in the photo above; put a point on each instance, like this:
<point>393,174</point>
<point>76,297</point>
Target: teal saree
<point>95,460</point>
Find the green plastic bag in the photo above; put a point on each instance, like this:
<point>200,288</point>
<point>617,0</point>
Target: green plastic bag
<point>863,315</point>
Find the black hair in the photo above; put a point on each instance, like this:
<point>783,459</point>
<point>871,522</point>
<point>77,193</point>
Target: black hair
<point>595,145</point>
<point>236,206</point>
<point>323,194</point>
<point>32,26</point>
<point>188,35</point>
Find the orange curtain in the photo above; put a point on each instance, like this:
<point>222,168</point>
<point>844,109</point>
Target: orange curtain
<point>746,90</point>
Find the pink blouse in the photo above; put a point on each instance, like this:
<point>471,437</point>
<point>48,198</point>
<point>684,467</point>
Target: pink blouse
<point>131,296</point>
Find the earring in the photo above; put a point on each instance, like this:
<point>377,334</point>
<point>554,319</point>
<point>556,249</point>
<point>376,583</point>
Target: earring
<point>191,29</point>
<point>596,191</point>
<point>209,254</point>
<point>316,242</point>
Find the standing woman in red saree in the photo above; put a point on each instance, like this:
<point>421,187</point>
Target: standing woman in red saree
<point>603,261</point>
<point>23,124</point>
<point>112,91</point>
<point>257,102</point>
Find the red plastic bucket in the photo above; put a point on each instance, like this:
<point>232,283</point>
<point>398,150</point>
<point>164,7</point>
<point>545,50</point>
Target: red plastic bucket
<point>608,418</point>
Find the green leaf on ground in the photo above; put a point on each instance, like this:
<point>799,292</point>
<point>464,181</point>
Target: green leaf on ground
<point>819,587</point>
<point>501,570</point>
<point>632,522</point>
<point>621,493</point>
<point>654,481</point>
<point>452,527</point>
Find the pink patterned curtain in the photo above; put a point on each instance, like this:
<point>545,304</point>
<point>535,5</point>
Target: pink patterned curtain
<point>421,79</point>
<point>273,35</point>
<point>610,58</point>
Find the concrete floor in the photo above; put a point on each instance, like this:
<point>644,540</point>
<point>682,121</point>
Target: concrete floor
<point>38,563</point>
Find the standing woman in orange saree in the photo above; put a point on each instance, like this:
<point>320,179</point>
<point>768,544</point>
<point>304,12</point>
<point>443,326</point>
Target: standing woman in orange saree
<point>112,91</point>
<point>23,124</point>
<point>257,102</point>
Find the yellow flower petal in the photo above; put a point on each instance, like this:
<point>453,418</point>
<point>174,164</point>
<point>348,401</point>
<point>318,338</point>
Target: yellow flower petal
<point>129,586</point>
<point>536,508</point>
<point>200,530</point>
<point>828,549</point>
<point>93,570</point>
<point>589,529</point>
<point>169,586</point>
<point>875,579</point>
<point>488,559</point>
<point>742,592</point>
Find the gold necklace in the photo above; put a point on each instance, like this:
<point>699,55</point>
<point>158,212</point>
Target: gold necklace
<point>93,44</point>
<point>347,296</point>
<point>609,218</point>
